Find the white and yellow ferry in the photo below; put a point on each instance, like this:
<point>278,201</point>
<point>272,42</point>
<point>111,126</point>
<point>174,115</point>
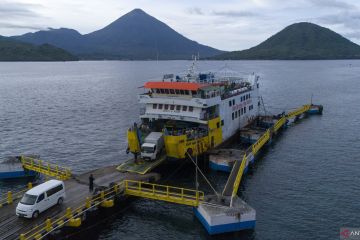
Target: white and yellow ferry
<point>194,112</point>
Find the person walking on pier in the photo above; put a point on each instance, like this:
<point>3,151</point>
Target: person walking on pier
<point>91,182</point>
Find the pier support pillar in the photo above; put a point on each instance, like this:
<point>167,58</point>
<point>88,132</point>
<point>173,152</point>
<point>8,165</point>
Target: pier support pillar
<point>218,219</point>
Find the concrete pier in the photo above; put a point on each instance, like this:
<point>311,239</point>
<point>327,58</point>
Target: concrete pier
<point>223,159</point>
<point>221,218</point>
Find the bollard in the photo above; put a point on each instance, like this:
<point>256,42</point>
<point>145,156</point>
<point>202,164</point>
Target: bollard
<point>74,222</point>
<point>22,237</point>
<point>88,203</point>
<point>48,226</point>
<point>9,197</point>
<point>30,185</point>
<point>107,203</point>
<point>68,213</point>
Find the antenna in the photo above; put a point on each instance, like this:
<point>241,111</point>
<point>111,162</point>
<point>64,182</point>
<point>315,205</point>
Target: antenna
<point>311,101</point>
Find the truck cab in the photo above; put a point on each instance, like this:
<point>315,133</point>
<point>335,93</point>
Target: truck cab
<point>152,146</point>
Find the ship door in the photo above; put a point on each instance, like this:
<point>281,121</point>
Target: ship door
<point>212,141</point>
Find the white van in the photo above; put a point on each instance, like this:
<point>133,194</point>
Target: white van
<point>40,198</point>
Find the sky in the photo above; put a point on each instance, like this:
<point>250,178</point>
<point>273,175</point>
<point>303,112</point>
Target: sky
<point>223,24</point>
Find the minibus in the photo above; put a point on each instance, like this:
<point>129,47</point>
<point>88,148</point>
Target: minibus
<point>41,198</point>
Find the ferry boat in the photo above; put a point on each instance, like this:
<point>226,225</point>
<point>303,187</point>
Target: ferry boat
<point>195,112</point>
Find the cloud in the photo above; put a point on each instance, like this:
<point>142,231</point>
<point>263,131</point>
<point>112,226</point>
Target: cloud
<point>355,35</point>
<point>20,26</point>
<point>234,13</point>
<point>17,9</point>
<point>333,4</point>
<point>350,20</point>
<point>195,11</point>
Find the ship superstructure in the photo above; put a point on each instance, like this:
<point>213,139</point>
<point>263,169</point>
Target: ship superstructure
<point>196,111</point>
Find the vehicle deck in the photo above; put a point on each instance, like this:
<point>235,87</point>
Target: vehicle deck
<point>141,167</point>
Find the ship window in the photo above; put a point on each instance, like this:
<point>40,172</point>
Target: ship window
<point>244,110</point>
<point>233,116</point>
<point>160,106</point>
<point>177,91</point>
<point>166,91</point>
<point>166,106</point>
<point>239,112</point>
<point>222,122</point>
<point>172,107</point>
<point>162,91</point>
<point>258,103</point>
<point>178,107</point>
<point>172,91</point>
<point>193,92</point>
<point>229,103</point>
<point>236,114</point>
<point>184,108</point>
<point>191,109</point>
<point>233,101</point>
<point>157,90</point>
<point>218,124</point>
<point>186,92</point>
<point>154,106</point>
<point>182,92</point>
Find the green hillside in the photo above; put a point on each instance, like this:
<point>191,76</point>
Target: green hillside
<point>12,50</point>
<point>300,41</point>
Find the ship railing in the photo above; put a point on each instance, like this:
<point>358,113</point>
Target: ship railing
<point>208,116</point>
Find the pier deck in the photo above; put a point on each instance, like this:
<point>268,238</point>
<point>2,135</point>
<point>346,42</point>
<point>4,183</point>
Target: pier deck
<point>77,190</point>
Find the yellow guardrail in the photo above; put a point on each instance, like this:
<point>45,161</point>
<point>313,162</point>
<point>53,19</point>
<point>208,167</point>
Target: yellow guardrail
<point>239,176</point>
<point>11,196</point>
<point>72,217</point>
<point>164,193</point>
<point>279,123</point>
<point>46,168</point>
<point>298,111</point>
<point>260,142</point>
<point>255,148</point>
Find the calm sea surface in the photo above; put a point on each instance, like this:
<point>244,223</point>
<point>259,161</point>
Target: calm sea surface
<point>306,185</point>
